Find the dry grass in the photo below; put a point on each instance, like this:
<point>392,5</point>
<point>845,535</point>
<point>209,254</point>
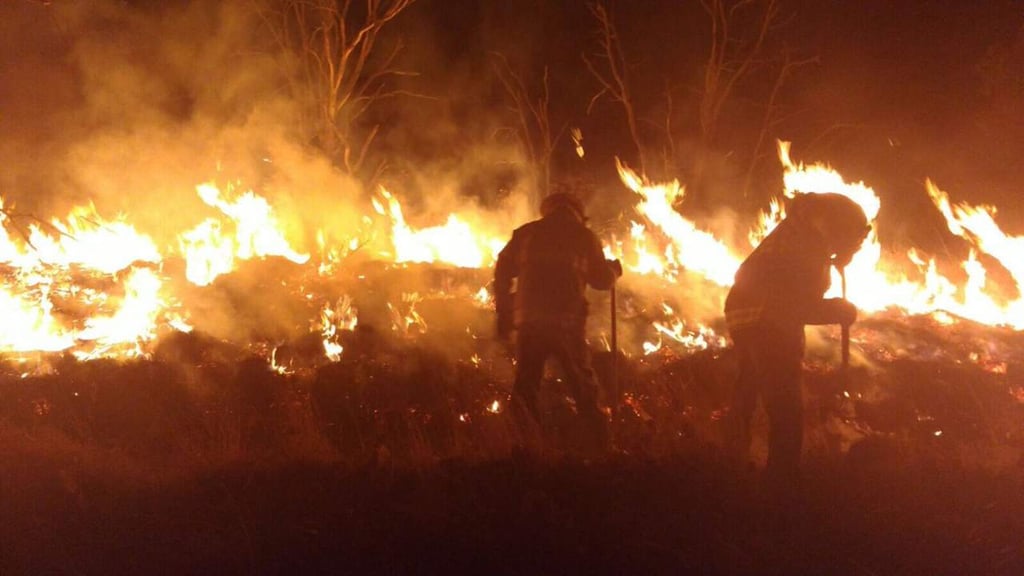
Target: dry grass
<point>392,461</point>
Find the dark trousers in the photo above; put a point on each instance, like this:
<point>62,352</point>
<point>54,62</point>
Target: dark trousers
<point>770,363</point>
<point>535,344</point>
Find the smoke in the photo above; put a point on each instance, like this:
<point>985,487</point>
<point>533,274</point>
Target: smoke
<point>130,106</point>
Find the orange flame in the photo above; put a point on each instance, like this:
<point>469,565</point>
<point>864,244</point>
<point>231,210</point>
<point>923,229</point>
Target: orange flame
<point>209,252</point>
<point>455,242</point>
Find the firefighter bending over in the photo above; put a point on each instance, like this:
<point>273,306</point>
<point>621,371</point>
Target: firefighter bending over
<point>552,261</point>
<point>778,290</point>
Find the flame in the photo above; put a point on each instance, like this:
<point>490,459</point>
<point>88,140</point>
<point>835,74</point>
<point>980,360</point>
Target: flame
<point>455,242</point>
<point>342,316</point>
<point>86,240</point>
<point>666,243</point>
<point>60,284</point>
<point>675,328</point>
<point>331,255</point>
<point>98,288</point>
<point>484,298</point>
<point>134,321</point>
<point>210,252</point>
<point>688,247</point>
<point>875,284</point>
<point>282,369</point>
<point>404,317</point>
<point>977,225</point>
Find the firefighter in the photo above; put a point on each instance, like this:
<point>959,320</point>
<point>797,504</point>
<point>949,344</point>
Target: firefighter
<point>552,260</point>
<point>778,290</point>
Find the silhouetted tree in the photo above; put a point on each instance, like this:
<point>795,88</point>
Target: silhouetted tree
<point>342,67</point>
<point>612,75</point>
<point>531,107</point>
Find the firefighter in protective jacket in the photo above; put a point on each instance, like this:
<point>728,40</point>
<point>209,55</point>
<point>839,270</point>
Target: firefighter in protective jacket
<point>778,290</point>
<point>551,261</point>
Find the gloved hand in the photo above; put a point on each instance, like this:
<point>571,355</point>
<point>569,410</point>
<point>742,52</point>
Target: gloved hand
<point>616,266</point>
<point>843,258</point>
<point>841,311</point>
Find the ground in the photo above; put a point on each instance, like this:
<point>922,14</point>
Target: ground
<point>372,467</point>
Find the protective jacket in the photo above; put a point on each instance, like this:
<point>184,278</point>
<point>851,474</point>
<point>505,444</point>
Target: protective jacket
<point>782,283</point>
<point>552,260</point>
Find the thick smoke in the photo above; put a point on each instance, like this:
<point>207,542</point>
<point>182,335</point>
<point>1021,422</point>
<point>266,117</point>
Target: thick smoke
<point>132,105</point>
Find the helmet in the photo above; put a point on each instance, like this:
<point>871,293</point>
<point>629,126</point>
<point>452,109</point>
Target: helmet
<point>558,200</point>
<point>839,217</point>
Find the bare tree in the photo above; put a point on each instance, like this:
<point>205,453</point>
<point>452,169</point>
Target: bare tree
<point>532,110</point>
<point>612,76</point>
<point>771,116</point>
<point>343,70</point>
<point>730,57</point>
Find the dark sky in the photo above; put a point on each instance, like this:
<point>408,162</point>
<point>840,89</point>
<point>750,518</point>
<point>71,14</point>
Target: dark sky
<point>902,90</point>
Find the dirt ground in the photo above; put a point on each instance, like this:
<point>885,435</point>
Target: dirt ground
<point>518,514</point>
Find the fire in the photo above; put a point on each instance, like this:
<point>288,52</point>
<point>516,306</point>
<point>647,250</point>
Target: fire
<point>875,281</point>
<point>977,225</point>
<point>455,242</point>
<point>86,240</point>
<point>30,326</point>
<point>210,252</point>
<point>134,321</point>
<point>688,247</point>
<point>60,286</point>
<point>94,287</point>
<point>405,320</point>
<point>331,256</point>
<point>676,329</point>
<point>333,319</point>
<point>484,298</point>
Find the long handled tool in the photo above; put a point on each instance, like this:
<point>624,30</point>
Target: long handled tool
<point>614,369</point>
<point>845,334</point>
